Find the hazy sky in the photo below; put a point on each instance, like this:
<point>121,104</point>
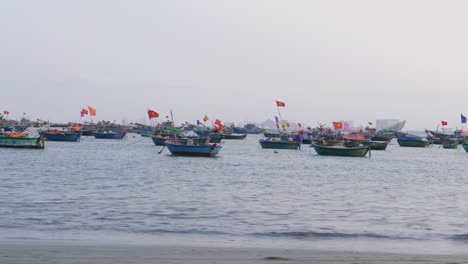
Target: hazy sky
<point>328,60</point>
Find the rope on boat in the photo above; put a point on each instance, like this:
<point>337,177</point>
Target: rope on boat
<point>135,142</point>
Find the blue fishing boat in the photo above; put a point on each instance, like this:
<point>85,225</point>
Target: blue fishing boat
<point>159,140</point>
<point>407,140</point>
<point>61,136</point>
<point>191,148</point>
<point>109,135</point>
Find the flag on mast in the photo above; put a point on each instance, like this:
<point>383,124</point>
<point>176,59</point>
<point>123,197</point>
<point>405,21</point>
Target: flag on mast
<point>280,104</point>
<point>463,119</point>
<point>83,112</point>
<point>152,114</point>
<point>92,111</point>
<point>444,123</point>
<point>337,125</point>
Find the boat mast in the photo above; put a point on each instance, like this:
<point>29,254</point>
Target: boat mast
<point>281,118</point>
<point>173,124</point>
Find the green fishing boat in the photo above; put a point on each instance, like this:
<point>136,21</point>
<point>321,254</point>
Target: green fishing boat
<point>414,143</point>
<point>339,150</point>
<point>279,144</point>
<point>22,142</point>
<point>465,146</point>
<point>450,144</point>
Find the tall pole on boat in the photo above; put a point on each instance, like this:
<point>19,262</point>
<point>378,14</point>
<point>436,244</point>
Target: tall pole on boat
<point>281,118</point>
<point>173,126</point>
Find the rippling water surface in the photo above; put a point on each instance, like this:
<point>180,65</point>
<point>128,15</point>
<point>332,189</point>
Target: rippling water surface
<point>124,191</point>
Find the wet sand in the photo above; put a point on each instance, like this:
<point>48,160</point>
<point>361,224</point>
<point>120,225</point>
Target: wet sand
<point>116,254</point>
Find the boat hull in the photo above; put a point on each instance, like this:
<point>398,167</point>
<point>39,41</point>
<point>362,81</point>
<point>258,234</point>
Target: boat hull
<point>18,142</point>
<point>208,150</point>
<point>450,145</point>
<point>378,145</point>
<point>233,136</point>
<point>71,137</point>
<point>413,143</point>
<point>341,151</point>
<point>109,135</point>
<point>266,144</point>
<point>465,147</point>
<point>159,141</point>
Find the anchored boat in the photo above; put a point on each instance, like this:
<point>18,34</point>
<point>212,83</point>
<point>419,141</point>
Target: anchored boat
<point>21,142</point>
<point>109,135</point>
<point>341,150</point>
<point>279,144</point>
<point>191,148</point>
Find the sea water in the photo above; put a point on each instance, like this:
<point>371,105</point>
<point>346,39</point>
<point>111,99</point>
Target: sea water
<point>124,191</point>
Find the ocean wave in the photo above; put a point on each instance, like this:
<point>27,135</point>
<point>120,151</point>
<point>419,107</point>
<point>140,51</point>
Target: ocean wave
<point>461,238</point>
<point>326,235</point>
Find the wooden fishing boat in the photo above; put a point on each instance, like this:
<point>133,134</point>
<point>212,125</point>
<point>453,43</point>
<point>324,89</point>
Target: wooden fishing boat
<point>159,140</point>
<point>279,144</point>
<point>21,142</point>
<point>380,137</point>
<point>339,150</point>
<point>414,143</point>
<point>191,148</point>
<point>234,136</point>
<point>377,145</point>
<point>109,135</point>
<point>450,144</point>
<point>407,140</point>
<point>465,146</point>
<point>61,136</point>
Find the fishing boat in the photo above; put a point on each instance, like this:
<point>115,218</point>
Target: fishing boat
<point>377,145</point>
<point>8,141</point>
<point>160,140</point>
<point>450,144</point>
<point>465,146</point>
<point>191,148</point>
<point>55,135</point>
<point>407,140</point>
<point>234,136</point>
<point>276,143</point>
<point>109,135</point>
<point>341,150</point>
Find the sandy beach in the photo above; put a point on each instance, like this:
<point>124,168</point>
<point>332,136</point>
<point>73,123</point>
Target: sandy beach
<point>115,254</point>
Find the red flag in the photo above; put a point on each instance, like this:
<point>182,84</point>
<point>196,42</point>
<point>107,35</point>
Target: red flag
<point>220,127</point>
<point>277,125</point>
<point>280,104</point>
<point>444,123</point>
<point>152,114</point>
<point>205,118</point>
<point>217,122</point>
<point>92,111</point>
<point>6,112</point>
<point>338,125</point>
<point>299,124</point>
<point>370,123</point>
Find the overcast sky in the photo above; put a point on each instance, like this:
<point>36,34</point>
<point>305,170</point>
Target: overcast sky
<point>327,60</point>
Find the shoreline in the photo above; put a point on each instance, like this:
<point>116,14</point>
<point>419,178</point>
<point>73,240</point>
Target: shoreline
<point>139,254</point>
